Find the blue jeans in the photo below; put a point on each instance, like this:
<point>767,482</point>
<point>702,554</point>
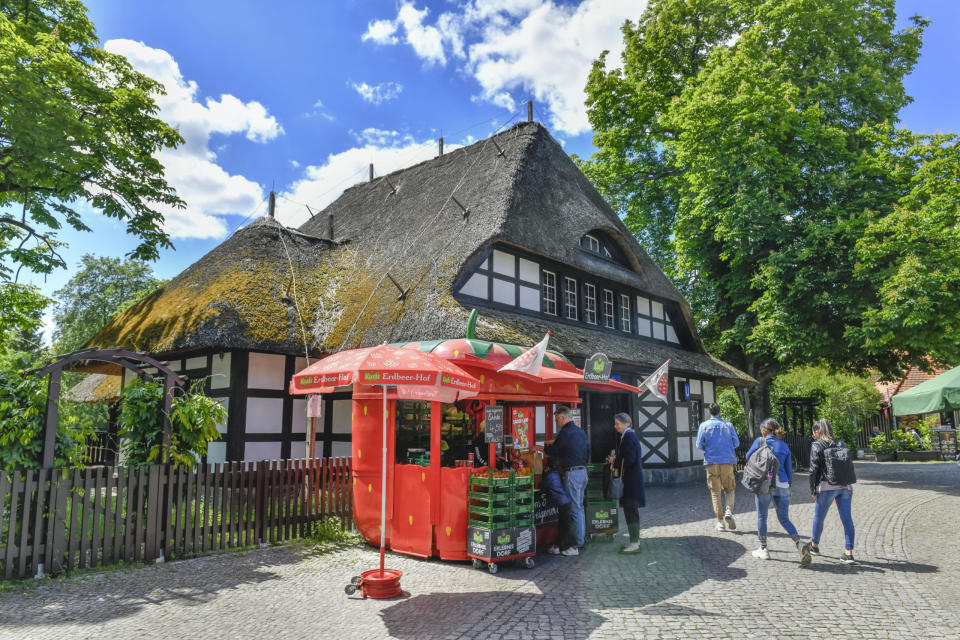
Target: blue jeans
<point>575,482</point>
<point>844,498</point>
<point>781,498</point>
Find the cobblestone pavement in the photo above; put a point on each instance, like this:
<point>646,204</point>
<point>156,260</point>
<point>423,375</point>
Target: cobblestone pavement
<point>689,582</point>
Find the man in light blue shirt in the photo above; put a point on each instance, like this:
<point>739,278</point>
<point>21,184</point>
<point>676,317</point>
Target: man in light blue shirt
<point>718,440</point>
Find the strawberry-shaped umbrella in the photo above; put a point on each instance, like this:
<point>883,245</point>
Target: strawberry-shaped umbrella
<point>415,374</point>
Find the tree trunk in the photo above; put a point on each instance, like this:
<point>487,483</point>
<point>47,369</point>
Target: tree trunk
<point>756,400</point>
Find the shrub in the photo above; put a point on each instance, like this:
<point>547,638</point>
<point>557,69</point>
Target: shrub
<point>193,424</point>
<point>880,444</point>
<point>23,404</point>
<point>904,441</point>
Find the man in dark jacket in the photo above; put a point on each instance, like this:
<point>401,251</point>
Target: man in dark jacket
<point>627,463</point>
<point>571,450</point>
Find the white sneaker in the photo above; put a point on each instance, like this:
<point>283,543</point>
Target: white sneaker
<point>570,551</point>
<point>554,550</point>
<point>731,523</point>
<point>633,547</point>
<point>721,526</point>
<point>761,554</point>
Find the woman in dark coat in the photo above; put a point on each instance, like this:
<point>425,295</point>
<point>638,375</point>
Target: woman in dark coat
<point>627,463</point>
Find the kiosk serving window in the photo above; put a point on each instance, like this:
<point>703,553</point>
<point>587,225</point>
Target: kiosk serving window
<point>413,433</point>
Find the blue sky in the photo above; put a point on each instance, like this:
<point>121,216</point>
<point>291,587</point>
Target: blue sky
<point>300,97</point>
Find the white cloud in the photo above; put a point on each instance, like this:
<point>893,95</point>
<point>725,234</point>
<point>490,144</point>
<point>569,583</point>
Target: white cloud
<point>381,32</point>
<point>319,112</point>
<point>294,164</point>
<point>518,48</point>
<point>209,191</point>
<point>321,184</point>
<point>378,93</point>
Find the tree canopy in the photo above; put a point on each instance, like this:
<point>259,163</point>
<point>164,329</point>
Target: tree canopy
<point>101,288</point>
<point>78,128</point>
<point>752,147</point>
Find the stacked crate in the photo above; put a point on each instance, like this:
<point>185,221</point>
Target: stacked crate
<point>601,514</point>
<point>501,524</point>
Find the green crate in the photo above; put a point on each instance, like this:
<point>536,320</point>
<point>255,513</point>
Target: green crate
<point>522,519</point>
<point>490,481</point>
<point>498,521</point>
<point>596,468</point>
<point>490,499</point>
<point>488,510</point>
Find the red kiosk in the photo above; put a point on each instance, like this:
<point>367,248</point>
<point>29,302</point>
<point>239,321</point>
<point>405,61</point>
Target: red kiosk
<point>430,442</point>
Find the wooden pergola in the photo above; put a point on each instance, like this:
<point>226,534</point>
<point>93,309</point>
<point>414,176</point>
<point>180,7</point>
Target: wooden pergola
<point>133,361</point>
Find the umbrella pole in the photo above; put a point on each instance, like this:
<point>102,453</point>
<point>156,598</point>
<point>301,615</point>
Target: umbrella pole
<point>383,485</point>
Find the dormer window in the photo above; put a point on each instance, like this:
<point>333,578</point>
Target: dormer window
<point>598,243</point>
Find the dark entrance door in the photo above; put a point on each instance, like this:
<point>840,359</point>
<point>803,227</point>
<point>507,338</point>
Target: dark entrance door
<point>602,407</point>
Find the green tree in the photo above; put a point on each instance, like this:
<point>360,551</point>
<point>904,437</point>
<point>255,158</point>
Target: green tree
<point>842,399</point>
<point>740,141</point>
<point>77,127</point>
<point>101,288</point>
<point>20,309</point>
<point>193,423</point>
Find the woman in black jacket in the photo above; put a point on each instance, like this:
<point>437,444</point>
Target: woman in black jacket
<point>826,493</point>
<point>629,460</point>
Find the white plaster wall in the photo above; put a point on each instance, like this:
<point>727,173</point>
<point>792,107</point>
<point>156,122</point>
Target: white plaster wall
<point>254,451</point>
<point>266,371</point>
<point>342,416</point>
<point>708,392</point>
<point>220,371</point>
<point>216,452</point>
<point>299,450</point>
<point>683,449</point>
<point>695,387</point>
<point>529,271</point>
<point>656,309</point>
<point>683,418</point>
<point>476,286</point>
<point>225,403</point>
<point>504,263</point>
<point>341,450</point>
<point>300,416</point>
<point>530,298</point>
<point>643,327</point>
<point>504,292</point>
<point>264,415</point>
<point>200,362</point>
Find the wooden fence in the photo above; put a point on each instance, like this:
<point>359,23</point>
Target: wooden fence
<point>54,520</point>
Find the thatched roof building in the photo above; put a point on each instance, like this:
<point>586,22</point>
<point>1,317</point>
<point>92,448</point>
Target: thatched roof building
<point>507,225</point>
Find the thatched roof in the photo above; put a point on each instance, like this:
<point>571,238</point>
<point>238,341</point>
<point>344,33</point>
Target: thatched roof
<point>532,196</point>
<point>95,388</point>
<point>239,295</point>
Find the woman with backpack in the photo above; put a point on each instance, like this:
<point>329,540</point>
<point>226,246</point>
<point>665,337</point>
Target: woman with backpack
<point>779,491</point>
<point>831,479</point>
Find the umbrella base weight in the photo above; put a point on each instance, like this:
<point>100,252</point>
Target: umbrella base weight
<point>377,585</point>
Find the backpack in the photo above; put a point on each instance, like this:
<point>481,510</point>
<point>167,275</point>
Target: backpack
<point>838,465</point>
<point>761,469</point>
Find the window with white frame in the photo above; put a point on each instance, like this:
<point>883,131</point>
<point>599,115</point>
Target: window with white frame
<point>590,303</point>
<point>590,243</point>
<point>608,315</point>
<point>549,292</point>
<point>570,298</point>
<point>625,313</point>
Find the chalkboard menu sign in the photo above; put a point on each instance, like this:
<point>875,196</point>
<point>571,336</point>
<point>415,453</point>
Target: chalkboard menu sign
<point>493,428</point>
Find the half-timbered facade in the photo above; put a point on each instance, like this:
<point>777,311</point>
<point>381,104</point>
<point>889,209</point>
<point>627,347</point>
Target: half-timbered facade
<point>508,226</point>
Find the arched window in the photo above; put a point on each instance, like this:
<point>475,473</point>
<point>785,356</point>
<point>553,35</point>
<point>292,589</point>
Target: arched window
<point>599,243</point>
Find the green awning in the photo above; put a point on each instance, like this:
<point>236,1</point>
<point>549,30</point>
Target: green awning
<point>933,396</point>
